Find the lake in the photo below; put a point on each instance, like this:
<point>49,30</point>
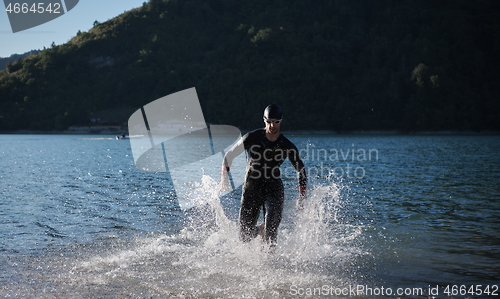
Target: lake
<point>386,217</point>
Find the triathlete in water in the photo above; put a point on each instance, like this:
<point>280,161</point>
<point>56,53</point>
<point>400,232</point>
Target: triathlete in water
<point>267,149</point>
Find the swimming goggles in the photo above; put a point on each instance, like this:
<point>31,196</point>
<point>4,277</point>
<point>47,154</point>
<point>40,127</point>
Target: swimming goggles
<point>267,120</point>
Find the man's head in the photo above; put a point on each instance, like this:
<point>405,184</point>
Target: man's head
<point>273,111</point>
<point>272,118</point>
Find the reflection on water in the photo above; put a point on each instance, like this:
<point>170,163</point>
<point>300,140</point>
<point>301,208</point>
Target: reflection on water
<point>78,220</point>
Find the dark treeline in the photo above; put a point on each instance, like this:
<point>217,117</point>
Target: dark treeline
<point>334,65</point>
<point>14,58</point>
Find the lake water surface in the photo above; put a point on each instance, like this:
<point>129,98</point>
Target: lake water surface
<point>386,217</point>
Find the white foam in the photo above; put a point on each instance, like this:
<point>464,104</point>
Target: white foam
<point>206,258</point>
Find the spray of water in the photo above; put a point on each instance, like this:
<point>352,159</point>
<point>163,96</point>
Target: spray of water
<point>207,260</point>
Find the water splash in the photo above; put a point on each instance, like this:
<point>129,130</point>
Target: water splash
<point>207,259</point>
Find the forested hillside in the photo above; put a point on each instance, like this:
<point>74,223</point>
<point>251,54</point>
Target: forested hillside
<point>15,57</point>
<point>335,65</point>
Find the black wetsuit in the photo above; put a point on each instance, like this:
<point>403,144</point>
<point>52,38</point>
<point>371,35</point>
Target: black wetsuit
<point>263,186</point>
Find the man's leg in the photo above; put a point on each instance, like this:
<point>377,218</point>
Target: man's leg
<point>249,214</point>
<point>273,210</point>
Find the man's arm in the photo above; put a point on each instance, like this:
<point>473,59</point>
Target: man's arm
<point>234,152</point>
<point>293,155</point>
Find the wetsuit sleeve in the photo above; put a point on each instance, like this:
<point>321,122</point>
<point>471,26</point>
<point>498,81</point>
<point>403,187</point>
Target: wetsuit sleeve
<point>293,155</point>
<point>235,150</point>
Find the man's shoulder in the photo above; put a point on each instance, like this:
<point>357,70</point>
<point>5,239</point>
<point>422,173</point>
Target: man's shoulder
<point>286,142</point>
<point>255,133</point>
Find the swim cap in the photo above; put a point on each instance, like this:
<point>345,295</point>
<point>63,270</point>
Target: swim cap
<point>273,111</point>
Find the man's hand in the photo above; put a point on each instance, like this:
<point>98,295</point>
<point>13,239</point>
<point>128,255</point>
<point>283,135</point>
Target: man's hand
<point>300,204</point>
<point>224,178</point>
<point>302,190</point>
<point>302,195</point>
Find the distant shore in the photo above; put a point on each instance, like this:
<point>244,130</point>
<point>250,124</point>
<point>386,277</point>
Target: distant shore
<point>388,132</point>
<point>124,130</point>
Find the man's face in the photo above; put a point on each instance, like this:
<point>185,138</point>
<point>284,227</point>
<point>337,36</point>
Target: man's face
<point>272,125</point>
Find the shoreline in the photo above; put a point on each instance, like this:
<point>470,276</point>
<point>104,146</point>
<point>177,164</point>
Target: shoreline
<point>115,130</point>
<point>390,132</point>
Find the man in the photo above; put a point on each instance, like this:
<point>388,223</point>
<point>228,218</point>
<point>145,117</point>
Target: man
<point>267,149</point>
